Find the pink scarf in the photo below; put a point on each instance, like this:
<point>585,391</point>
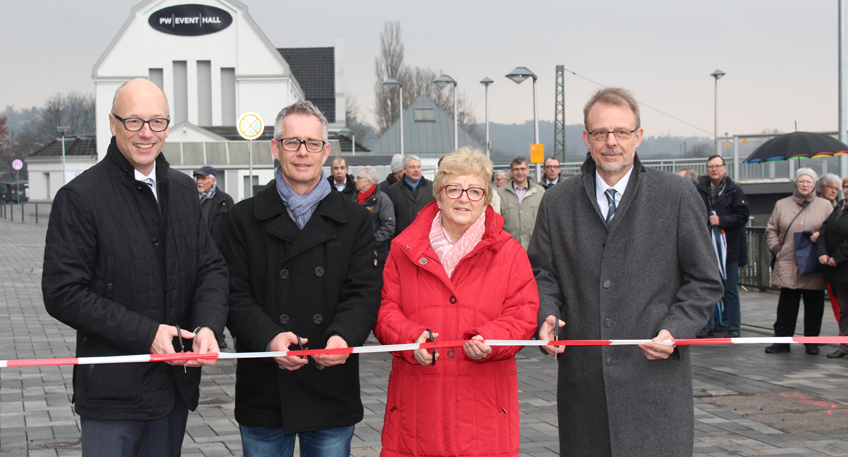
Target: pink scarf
<point>451,252</point>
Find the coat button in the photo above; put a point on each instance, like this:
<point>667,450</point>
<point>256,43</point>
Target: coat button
<point>85,339</point>
<point>408,246</point>
<point>319,271</point>
<point>109,286</point>
<point>423,261</point>
<point>607,323</point>
<point>453,299</point>
<point>609,361</point>
<point>607,283</point>
<point>318,319</point>
<point>155,241</point>
<point>284,319</point>
<point>319,367</point>
<point>284,274</point>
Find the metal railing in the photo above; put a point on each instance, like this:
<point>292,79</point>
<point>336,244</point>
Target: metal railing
<point>758,271</point>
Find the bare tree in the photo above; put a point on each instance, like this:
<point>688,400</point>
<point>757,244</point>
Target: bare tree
<point>365,133</point>
<point>74,110</point>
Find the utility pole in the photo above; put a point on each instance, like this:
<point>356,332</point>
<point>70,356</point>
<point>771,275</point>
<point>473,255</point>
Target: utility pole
<point>559,114</point>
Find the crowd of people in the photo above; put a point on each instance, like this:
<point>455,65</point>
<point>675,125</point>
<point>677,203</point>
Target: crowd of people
<point>136,265</point>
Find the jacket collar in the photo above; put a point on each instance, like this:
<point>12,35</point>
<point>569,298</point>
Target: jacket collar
<point>125,167</point>
<point>269,205</point>
<point>532,186</point>
<point>588,169</point>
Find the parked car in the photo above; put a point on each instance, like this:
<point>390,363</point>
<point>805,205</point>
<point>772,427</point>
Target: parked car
<point>10,191</point>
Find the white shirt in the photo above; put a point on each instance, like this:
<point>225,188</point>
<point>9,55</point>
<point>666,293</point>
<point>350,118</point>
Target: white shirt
<point>340,187</point>
<point>601,187</point>
<point>140,177</point>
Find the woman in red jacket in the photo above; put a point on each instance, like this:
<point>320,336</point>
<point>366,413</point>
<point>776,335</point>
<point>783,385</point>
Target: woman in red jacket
<point>457,273</point>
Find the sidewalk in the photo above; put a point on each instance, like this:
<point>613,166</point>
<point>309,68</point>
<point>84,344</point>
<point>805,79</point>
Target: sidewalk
<point>746,402</point>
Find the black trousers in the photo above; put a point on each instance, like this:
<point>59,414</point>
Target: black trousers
<point>841,291</point>
<point>787,311</point>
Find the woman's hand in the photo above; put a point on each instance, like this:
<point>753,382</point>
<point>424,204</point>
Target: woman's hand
<point>476,349</point>
<point>423,356</point>
<point>814,237</point>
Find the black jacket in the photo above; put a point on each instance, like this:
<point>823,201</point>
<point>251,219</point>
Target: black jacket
<point>383,218</point>
<point>731,207</point>
<point>833,242</point>
<point>384,186</point>
<point>116,265</point>
<point>221,204</point>
<point>316,282</point>
<point>409,203</point>
<point>349,190</point>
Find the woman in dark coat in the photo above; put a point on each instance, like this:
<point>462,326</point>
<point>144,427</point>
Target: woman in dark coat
<point>833,252</point>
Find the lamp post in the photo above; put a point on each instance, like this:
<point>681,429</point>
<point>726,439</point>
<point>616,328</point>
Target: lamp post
<point>62,129</point>
<point>518,75</point>
<point>717,75</point>
<point>442,80</point>
<point>486,82</point>
<point>400,118</point>
<point>346,131</point>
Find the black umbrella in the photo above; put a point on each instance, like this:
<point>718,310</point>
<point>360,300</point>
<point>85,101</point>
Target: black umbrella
<point>798,145</point>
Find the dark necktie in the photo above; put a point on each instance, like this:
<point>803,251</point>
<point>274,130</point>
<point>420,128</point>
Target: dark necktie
<point>610,193</point>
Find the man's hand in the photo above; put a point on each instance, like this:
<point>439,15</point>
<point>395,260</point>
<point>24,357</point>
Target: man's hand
<point>823,259</point>
<point>424,356</point>
<point>328,360</point>
<point>713,220</point>
<point>280,343</point>
<point>655,351</point>
<point>476,349</point>
<point>204,342</point>
<point>546,333</point>
<point>831,262</point>
<point>163,342</point>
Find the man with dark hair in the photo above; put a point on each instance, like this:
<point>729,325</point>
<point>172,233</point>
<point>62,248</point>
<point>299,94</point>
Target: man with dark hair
<point>520,199</point>
<point>411,194</point>
<point>621,251</point>
<point>130,264</point>
<point>341,181</point>
<point>552,172</point>
<point>301,260</point>
<point>727,208</point>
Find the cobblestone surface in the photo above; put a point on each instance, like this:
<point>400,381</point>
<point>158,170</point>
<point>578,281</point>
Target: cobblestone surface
<point>746,402</point>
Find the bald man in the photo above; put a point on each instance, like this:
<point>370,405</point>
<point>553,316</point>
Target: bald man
<point>130,264</point>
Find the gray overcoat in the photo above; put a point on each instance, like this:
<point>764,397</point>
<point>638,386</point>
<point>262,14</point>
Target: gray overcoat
<point>653,269</point>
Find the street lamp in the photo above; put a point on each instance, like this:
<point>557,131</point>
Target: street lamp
<point>346,131</point>
<point>443,80</point>
<point>717,75</point>
<point>518,76</point>
<point>62,129</point>
<point>400,89</point>
<point>486,82</point>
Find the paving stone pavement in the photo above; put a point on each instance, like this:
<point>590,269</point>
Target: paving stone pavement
<point>746,402</point>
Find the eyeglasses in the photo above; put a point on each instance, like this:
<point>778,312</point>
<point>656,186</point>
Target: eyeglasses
<point>620,134</point>
<point>134,124</point>
<point>475,194</point>
<point>293,144</point>
<point>551,167</point>
<point>519,169</point>
<point>715,167</point>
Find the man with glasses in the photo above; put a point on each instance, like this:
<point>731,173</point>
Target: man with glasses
<point>621,251</point>
<point>552,172</point>
<point>130,264</point>
<point>501,179</point>
<point>727,208</point>
<point>302,275</point>
<point>520,199</point>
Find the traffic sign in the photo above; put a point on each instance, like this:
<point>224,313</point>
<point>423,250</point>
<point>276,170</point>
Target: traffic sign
<point>17,164</point>
<point>250,126</point>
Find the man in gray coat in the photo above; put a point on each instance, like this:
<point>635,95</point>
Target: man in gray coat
<point>622,252</point>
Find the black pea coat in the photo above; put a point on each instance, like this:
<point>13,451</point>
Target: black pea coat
<point>116,265</point>
<point>409,203</point>
<point>316,282</point>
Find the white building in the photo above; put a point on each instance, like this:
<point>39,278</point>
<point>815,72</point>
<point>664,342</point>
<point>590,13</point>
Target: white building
<point>213,63</point>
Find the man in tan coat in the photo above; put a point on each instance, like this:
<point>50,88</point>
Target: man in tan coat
<point>520,199</point>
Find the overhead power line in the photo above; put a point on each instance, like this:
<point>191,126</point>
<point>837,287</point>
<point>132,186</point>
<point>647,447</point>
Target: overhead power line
<point>646,105</point>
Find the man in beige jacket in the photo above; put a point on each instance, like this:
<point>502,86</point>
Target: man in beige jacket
<point>520,199</point>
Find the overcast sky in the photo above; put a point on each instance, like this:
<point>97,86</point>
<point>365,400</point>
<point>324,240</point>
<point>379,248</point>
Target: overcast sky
<point>780,56</point>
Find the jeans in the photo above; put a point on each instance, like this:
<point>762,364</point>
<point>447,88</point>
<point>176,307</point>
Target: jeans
<point>273,442</point>
<point>731,311</point>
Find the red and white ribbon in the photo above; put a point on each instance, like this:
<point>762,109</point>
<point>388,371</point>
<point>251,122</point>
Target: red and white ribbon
<point>408,347</point>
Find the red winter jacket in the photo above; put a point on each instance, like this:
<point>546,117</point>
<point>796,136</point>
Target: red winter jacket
<point>459,406</point>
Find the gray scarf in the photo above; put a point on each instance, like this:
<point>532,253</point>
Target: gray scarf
<point>208,195</point>
<point>302,206</point>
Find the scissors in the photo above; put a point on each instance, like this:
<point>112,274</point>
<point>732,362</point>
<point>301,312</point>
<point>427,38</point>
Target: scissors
<point>182,346</point>
<point>433,339</point>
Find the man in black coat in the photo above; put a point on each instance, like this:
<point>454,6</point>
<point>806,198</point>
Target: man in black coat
<point>341,181</point>
<point>727,208</point>
<point>214,202</point>
<point>129,263</point>
<point>411,194</point>
<point>396,174</point>
<point>301,259</point>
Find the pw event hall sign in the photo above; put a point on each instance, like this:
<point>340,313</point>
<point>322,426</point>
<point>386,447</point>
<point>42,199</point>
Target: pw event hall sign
<point>190,20</point>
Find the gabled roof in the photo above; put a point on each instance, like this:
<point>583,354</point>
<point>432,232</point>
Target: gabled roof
<point>74,147</point>
<point>176,134</point>
<point>425,139</point>
<point>315,71</point>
